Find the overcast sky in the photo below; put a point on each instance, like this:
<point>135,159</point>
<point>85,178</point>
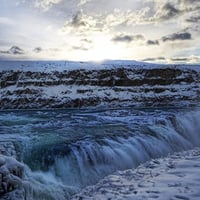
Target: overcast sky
<point>93,30</point>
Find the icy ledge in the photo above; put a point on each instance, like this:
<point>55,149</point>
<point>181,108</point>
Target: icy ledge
<point>174,177</point>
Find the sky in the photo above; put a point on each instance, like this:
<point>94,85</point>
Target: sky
<point>95,30</point>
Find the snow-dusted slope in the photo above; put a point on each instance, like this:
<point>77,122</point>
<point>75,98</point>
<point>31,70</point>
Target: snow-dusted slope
<point>36,85</point>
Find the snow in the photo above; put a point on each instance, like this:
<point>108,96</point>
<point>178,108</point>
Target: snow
<point>174,177</point>
<point>121,93</point>
<point>49,66</point>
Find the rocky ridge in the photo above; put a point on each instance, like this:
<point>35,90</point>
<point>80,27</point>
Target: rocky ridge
<point>124,85</point>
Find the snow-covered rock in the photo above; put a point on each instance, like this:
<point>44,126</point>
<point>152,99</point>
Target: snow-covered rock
<point>11,172</point>
<point>7,148</point>
<point>33,85</point>
<point>12,185</point>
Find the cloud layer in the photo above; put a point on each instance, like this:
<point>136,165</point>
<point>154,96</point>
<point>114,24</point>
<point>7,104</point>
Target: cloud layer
<point>81,29</point>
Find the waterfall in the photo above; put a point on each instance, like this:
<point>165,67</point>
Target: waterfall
<point>60,168</point>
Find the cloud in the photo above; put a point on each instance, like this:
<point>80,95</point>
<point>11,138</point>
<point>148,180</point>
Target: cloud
<point>82,24</point>
<point>123,38</point>
<point>83,2</point>
<point>78,20</point>
<point>127,38</point>
<point>162,10</point>
<point>152,42</point>
<point>190,59</point>
<point>177,36</point>
<point>157,59</point>
<point>81,48</point>
<point>6,21</point>
<point>177,60</point>
<point>127,18</point>
<point>83,44</point>
<point>169,11</point>
<point>193,19</point>
<point>85,40</point>
<point>190,2</point>
<point>14,50</point>
<point>45,4</point>
<point>37,50</point>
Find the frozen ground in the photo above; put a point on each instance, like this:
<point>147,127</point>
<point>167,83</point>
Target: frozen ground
<point>175,177</point>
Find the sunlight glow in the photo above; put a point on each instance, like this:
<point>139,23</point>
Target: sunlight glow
<point>103,49</point>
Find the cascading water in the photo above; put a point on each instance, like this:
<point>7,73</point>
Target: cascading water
<point>67,150</point>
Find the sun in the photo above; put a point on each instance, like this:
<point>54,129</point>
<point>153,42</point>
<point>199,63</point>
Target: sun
<point>98,48</point>
<point>103,49</point>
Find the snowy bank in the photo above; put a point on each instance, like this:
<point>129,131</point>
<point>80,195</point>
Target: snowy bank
<point>175,177</point>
